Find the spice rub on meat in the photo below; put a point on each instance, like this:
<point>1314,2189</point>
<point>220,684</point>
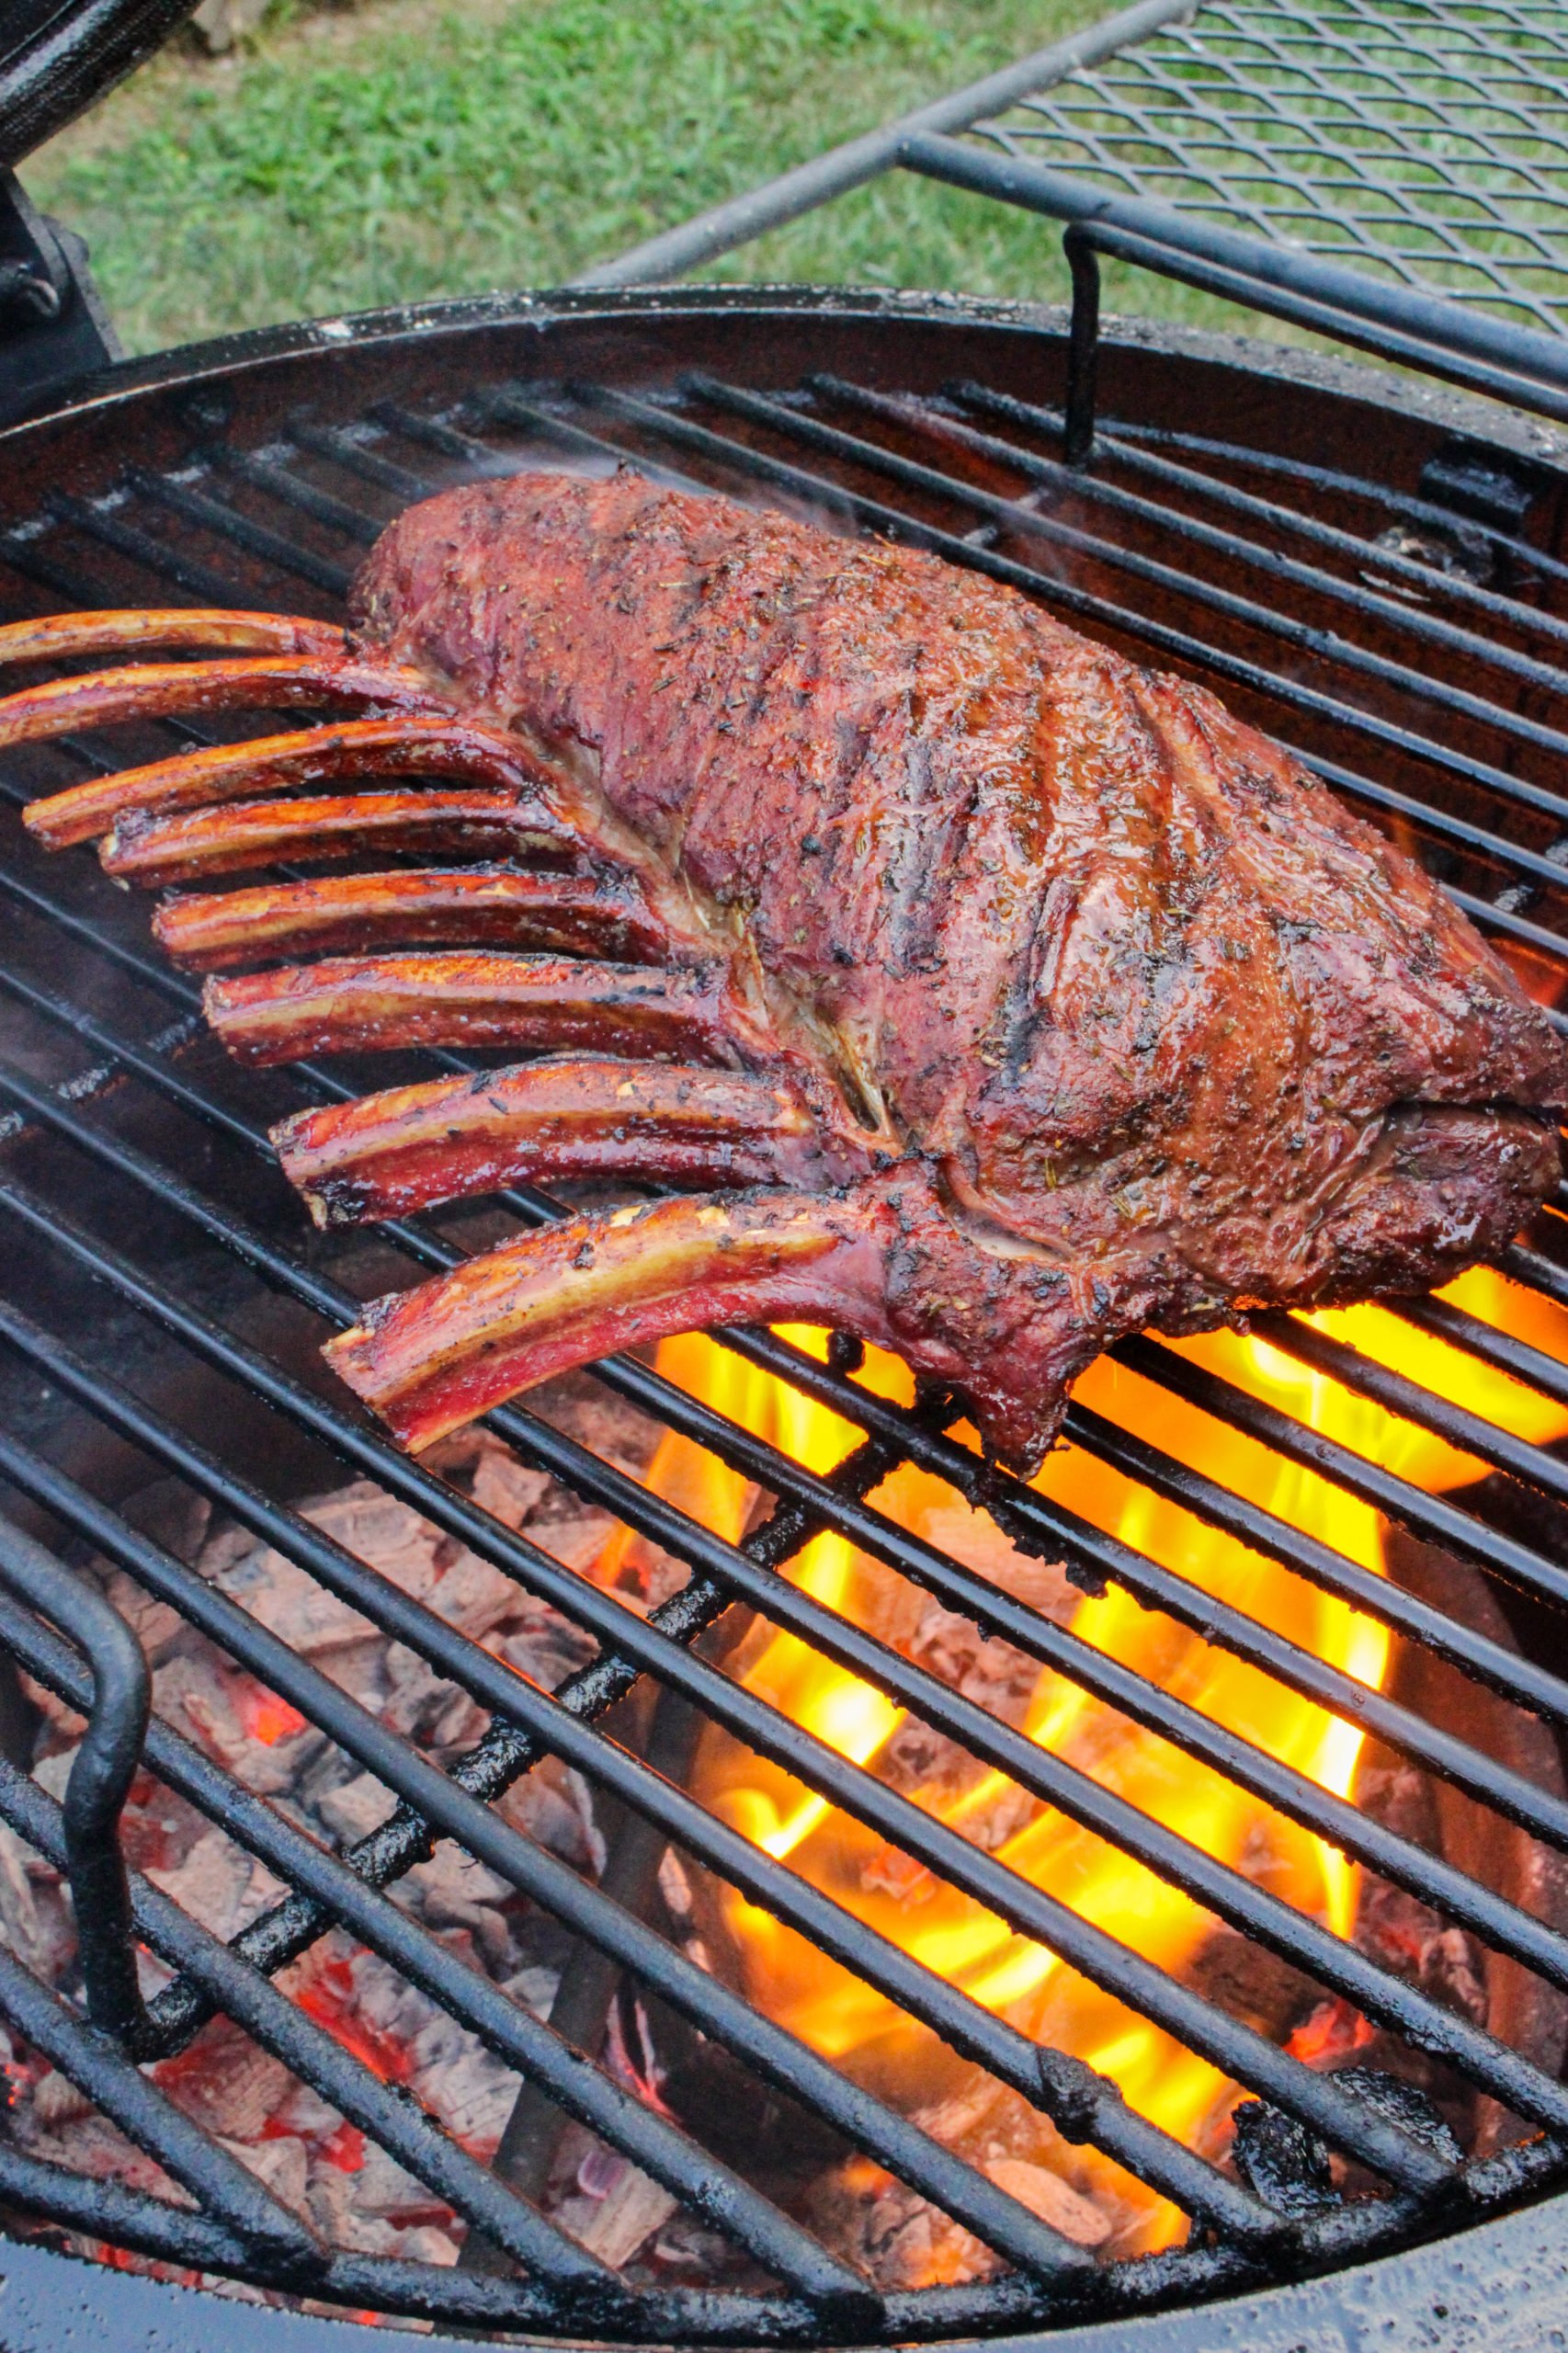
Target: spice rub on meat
<point>1064,1002</point>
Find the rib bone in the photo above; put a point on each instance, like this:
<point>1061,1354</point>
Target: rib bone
<point>61,637</point>
<point>251,833</point>
<point>360,1004</point>
<point>315,756</point>
<point>427,1360</point>
<point>391,1153</point>
<point>169,689</point>
<point>443,906</point>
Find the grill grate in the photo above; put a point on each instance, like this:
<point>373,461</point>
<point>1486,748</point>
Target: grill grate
<point>1389,601</point>
<point>1426,144</point>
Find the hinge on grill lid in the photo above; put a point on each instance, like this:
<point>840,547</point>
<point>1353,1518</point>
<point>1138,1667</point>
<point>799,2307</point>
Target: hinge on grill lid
<point>53,327</point>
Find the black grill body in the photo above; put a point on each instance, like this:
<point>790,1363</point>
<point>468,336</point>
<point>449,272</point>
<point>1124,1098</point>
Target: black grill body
<point>1376,574</point>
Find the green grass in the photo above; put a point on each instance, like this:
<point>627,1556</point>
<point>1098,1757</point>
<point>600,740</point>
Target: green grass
<point>401,150</point>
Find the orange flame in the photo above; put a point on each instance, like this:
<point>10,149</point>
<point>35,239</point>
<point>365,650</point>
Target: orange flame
<point>965,1944</point>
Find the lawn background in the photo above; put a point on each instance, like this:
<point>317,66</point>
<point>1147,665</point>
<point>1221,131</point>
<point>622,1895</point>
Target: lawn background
<point>396,150</point>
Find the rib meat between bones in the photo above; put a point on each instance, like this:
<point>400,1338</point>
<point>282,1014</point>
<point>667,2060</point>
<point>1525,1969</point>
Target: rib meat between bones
<point>575,914</point>
<point>1031,997</point>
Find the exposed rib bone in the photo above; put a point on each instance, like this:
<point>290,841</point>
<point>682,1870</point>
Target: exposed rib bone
<point>429,1359</point>
<point>251,833</point>
<point>168,689</point>
<point>444,906</point>
<point>388,1155</point>
<point>315,756</point>
<point>61,637</point>
<point>360,1004</point>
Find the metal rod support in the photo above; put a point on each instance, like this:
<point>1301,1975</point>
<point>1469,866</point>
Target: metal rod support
<point>1083,348</point>
<point>1515,363</point>
<point>105,1766</point>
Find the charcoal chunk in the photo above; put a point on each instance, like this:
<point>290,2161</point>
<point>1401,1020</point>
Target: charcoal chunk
<point>1281,2161</point>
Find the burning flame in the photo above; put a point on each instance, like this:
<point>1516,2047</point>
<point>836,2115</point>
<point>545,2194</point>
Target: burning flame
<point>848,2021</point>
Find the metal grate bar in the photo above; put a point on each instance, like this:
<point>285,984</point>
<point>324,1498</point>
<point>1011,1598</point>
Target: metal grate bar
<point>1462,1330</point>
<point>771,2051</point>
<point>94,522</point>
<point>104,2209</point>
<point>1046,1528</point>
<point>309,2052</point>
<point>20,550</point>
<point>1221,1891</point>
<point>1543,872</point>
<point>265,472</point>
<point>1442,1522</point>
<point>216,516</point>
<point>1123,447</point>
<point>1380,497</point>
<point>1467,1432</point>
<point>915,417</point>
<point>1539,1272</point>
<point>1504,921</point>
<point>440,433</point>
<point>661,2148</point>
<point>189,2155</point>
<point>351,451</point>
<point>1344,1825</point>
<point>1520,1680</point>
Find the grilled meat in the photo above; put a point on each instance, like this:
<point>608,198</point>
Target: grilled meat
<point>586,915</point>
<point>1101,1011</point>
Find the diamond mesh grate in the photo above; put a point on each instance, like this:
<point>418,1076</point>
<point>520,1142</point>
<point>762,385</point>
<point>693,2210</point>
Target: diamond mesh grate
<point>1422,142</point>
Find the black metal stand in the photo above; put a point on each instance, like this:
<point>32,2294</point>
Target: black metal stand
<point>53,327</point>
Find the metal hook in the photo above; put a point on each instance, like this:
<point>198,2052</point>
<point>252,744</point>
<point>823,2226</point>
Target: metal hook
<point>105,1766</point>
<point>1083,342</point>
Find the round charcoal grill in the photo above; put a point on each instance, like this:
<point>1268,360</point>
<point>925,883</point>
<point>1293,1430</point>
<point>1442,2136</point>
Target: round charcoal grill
<point>161,1296</point>
<point>1375,572</point>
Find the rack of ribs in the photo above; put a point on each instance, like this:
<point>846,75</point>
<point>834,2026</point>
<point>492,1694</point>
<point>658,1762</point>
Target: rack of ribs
<point>958,984</point>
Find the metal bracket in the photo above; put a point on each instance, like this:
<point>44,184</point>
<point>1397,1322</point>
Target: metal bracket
<point>1083,345</point>
<point>1428,332</point>
<point>53,327</point>
<point>106,1764</point>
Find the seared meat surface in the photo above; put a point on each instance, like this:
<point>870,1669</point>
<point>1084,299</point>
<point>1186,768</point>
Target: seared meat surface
<point>1106,1014</point>
<point>1141,995</point>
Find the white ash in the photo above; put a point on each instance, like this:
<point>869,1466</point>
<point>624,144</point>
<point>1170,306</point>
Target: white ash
<point>294,2141</point>
<point>616,2209</point>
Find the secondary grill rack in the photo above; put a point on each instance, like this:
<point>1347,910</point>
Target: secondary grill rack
<point>1422,144</point>
<point>154,1141</point>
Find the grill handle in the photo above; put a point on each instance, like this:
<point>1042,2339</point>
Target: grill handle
<point>107,1763</point>
<point>57,61</point>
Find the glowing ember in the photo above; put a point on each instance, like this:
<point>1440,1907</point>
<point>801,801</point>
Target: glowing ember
<point>265,1717</point>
